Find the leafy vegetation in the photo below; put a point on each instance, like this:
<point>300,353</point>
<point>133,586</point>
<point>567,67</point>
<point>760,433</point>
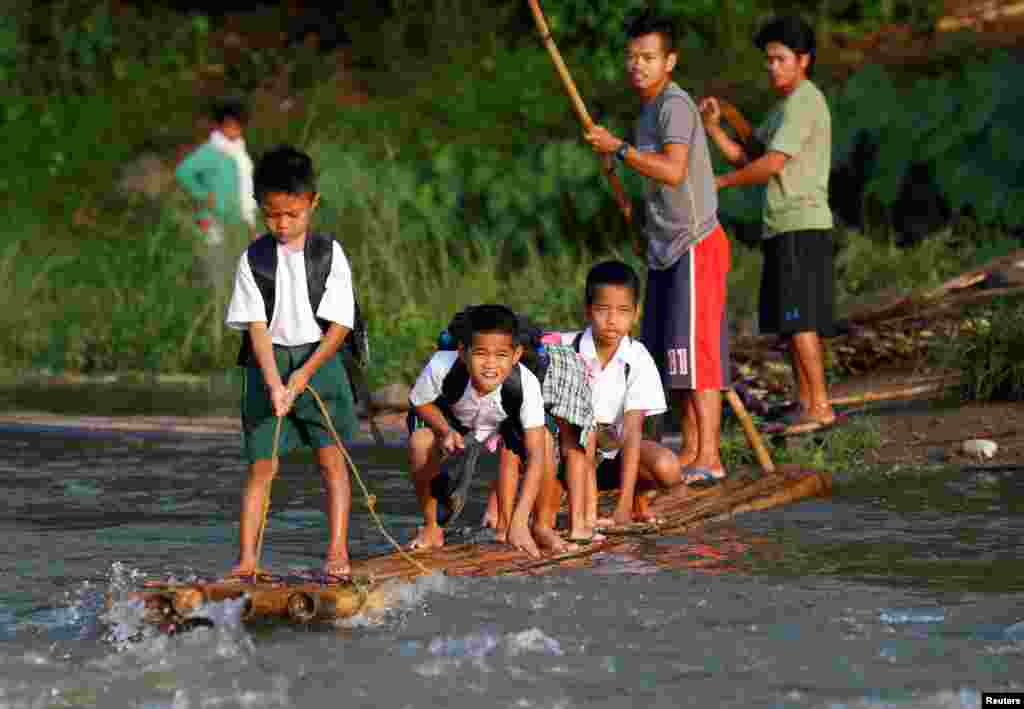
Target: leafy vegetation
<point>461,180</point>
<point>989,352</point>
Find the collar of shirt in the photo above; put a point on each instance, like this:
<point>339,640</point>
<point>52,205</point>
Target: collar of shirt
<point>588,348</point>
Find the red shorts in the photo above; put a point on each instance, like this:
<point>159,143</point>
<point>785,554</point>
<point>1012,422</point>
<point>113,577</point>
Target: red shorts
<point>685,324</point>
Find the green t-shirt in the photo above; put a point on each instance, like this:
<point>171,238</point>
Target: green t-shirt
<point>801,127</point>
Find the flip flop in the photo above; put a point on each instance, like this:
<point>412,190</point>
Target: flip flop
<point>703,477</point>
<point>595,538</point>
<point>803,426</point>
<point>458,471</point>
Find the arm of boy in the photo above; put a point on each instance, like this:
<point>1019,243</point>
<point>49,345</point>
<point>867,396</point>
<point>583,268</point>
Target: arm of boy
<point>327,348</point>
<point>451,440</point>
<point>632,434</point>
<point>263,349</point>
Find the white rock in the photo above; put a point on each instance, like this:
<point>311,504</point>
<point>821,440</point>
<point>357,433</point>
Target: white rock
<point>980,448</point>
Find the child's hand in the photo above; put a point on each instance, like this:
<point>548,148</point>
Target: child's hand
<point>297,382</point>
<point>452,442</point>
<point>281,399</point>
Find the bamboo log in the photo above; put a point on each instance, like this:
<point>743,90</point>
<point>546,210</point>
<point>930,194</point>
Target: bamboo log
<point>168,605</point>
<point>896,393</point>
<point>983,13</point>
<point>607,166</point>
<point>764,458</point>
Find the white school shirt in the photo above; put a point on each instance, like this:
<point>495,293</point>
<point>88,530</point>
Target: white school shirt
<point>613,395</point>
<point>481,414</point>
<point>293,322</point>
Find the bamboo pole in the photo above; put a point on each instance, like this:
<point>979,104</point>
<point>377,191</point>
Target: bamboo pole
<point>764,458</point>
<point>607,166</point>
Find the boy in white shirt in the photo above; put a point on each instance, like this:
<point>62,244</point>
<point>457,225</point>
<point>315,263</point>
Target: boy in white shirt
<point>487,357</point>
<point>293,300</point>
<point>626,389</point>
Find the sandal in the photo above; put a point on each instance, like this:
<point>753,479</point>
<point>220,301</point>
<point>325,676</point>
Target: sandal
<point>698,477</point>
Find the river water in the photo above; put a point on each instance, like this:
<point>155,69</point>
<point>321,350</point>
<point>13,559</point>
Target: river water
<point>905,589</point>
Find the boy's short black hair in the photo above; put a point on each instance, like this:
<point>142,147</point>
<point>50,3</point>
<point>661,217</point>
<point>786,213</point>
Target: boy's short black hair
<point>283,169</point>
<point>487,318</point>
<point>229,107</point>
<point>611,273</point>
<point>646,22</point>
<point>791,31</point>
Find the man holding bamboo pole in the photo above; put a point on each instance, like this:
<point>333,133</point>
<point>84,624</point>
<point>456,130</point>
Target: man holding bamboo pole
<point>684,324</point>
<point>790,154</point>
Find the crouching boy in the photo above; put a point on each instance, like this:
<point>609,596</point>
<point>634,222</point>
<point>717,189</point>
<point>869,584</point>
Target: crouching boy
<point>626,388</point>
<point>481,389</point>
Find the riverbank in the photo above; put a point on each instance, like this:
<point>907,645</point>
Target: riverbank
<point>926,429</point>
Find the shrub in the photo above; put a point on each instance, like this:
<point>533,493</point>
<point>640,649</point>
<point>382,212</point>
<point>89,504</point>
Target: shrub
<point>989,352</point>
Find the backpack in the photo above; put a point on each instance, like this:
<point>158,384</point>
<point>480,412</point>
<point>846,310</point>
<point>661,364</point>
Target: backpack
<point>319,253</point>
<point>455,382</point>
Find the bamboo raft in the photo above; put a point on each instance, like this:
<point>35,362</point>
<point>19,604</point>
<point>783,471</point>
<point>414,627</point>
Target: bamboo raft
<point>178,606</point>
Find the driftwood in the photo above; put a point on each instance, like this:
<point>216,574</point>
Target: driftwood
<point>172,605</point>
<point>898,332</point>
<point>978,14</point>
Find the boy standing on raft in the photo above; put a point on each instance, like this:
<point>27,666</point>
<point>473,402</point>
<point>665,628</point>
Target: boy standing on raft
<point>293,299</point>
<point>684,323</point>
<point>626,389</point>
<point>792,156</point>
<point>484,365</point>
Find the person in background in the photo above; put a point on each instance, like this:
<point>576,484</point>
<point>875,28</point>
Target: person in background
<point>219,175</point>
<point>791,154</point>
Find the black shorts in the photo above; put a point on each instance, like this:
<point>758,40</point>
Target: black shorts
<point>797,283</point>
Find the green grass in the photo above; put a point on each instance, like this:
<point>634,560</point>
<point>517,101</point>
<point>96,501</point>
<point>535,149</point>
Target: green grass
<point>837,450</point>
<point>989,352</point>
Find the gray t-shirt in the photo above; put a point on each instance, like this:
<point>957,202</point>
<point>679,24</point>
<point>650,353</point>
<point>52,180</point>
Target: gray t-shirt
<point>677,218</point>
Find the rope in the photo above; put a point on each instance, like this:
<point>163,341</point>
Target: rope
<point>371,500</point>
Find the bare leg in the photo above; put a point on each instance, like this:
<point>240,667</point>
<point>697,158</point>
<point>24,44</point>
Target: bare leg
<point>577,469</point>
<point>689,426</point>
<point>807,352</point>
<point>508,485</point>
<point>549,500</point>
<point>338,504</point>
<point>490,519</point>
<point>254,495</point>
<point>800,381</point>
<point>590,488</point>
<point>659,468</point>
<point>708,404</point>
<point>425,464</point>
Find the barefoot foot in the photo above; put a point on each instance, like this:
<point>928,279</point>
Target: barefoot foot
<point>548,540</point>
<point>428,538</point>
<point>521,539</point>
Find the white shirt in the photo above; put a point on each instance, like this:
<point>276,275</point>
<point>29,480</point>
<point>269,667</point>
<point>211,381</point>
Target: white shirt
<point>482,414</point>
<point>613,394</point>
<point>293,322</point>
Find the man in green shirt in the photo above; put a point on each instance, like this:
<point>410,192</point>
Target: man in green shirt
<point>790,154</point>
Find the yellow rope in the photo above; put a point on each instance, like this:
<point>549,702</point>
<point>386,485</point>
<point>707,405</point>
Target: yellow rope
<point>371,500</point>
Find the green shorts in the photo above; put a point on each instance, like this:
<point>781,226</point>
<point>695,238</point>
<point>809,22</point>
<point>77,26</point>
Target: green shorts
<point>304,425</point>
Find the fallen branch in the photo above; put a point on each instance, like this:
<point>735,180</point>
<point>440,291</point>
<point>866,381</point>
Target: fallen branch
<point>982,13</point>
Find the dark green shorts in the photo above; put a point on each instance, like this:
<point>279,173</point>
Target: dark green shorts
<point>304,425</point>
